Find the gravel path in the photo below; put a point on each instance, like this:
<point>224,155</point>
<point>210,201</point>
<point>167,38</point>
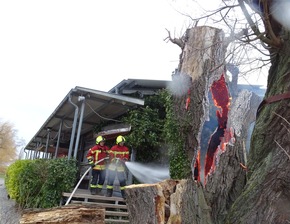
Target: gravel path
<point>9,214</point>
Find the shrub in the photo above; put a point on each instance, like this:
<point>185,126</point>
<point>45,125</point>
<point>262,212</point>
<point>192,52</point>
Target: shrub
<point>41,182</point>
<point>12,177</point>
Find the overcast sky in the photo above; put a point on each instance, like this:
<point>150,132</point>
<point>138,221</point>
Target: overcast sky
<point>49,47</point>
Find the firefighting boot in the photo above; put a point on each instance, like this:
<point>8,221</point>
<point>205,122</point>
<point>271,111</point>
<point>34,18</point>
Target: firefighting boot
<point>123,194</point>
<point>99,191</point>
<point>93,191</point>
<point>109,192</point>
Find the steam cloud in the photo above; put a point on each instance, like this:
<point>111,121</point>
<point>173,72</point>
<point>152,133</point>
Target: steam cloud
<point>280,11</point>
<point>147,173</point>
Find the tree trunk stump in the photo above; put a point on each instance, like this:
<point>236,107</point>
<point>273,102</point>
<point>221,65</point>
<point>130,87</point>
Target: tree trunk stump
<point>201,64</point>
<point>167,202</point>
<point>71,214</point>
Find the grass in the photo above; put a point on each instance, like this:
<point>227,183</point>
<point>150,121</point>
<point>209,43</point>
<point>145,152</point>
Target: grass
<point>2,175</point>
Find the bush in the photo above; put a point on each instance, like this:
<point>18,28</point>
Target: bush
<point>12,177</point>
<point>41,182</point>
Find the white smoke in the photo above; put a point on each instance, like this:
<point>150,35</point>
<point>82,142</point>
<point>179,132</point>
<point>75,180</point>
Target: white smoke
<point>280,11</point>
<point>179,85</point>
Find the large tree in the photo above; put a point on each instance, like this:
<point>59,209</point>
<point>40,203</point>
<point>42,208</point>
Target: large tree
<point>266,196</point>
<point>8,145</point>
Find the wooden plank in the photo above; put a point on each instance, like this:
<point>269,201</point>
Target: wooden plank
<point>116,221</point>
<point>111,213</point>
<point>89,196</point>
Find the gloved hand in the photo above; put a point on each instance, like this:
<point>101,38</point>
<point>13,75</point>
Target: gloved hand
<point>91,162</point>
<point>123,161</point>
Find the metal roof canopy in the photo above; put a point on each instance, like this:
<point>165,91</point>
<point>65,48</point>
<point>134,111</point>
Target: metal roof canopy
<point>142,86</point>
<point>93,107</point>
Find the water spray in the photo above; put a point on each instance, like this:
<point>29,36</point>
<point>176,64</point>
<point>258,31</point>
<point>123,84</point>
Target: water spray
<point>148,173</point>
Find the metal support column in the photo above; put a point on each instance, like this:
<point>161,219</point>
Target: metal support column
<point>58,139</point>
<point>47,142</point>
<point>73,128</point>
<point>81,98</point>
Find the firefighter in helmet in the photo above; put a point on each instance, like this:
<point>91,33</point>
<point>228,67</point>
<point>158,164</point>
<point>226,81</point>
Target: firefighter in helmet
<point>98,152</point>
<point>119,154</point>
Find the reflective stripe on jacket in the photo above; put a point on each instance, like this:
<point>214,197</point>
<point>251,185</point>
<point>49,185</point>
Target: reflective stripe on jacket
<point>118,152</point>
<point>97,153</point>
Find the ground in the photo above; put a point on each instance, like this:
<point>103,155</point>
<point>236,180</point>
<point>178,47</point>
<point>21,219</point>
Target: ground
<point>9,213</point>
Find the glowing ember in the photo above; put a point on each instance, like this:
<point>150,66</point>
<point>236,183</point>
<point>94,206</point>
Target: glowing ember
<point>197,167</point>
<point>221,136</point>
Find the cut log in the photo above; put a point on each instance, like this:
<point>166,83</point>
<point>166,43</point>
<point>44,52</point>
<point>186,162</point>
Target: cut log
<point>170,201</point>
<point>70,214</point>
<point>188,204</point>
<point>146,204</point>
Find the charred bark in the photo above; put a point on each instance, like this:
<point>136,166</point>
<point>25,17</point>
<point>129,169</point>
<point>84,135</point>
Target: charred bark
<point>226,183</point>
<point>201,63</point>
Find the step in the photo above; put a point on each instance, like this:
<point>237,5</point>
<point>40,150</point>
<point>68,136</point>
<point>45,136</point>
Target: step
<point>106,205</point>
<point>112,213</point>
<point>116,221</point>
<point>89,196</point>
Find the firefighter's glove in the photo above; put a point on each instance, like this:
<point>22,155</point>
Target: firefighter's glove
<point>124,160</point>
<point>91,162</point>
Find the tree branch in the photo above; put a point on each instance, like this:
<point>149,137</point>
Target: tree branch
<point>255,28</point>
<point>177,41</point>
<point>282,149</point>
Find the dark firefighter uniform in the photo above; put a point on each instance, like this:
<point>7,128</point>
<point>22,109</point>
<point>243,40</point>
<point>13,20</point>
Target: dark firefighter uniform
<point>119,154</point>
<point>96,153</point>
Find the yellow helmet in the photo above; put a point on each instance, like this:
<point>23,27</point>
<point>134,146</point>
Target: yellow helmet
<point>100,139</point>
<point>120,139</point>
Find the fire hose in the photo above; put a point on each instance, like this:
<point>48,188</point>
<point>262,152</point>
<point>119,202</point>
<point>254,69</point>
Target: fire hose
<point>83,176</point>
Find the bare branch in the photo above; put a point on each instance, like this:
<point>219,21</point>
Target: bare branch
<point>177,41</point>
<point>282,149</point>
<point>268,25</point>
<point>255,28</point>
<point>282,118</point>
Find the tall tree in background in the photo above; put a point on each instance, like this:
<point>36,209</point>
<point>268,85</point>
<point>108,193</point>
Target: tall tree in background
<point>8,145</point>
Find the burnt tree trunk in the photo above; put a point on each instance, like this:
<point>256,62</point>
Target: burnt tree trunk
<point>266,197</point>
<point>201,71</point>
<point>201,63</point>
<point>226,183</point>
<point>187,201</point>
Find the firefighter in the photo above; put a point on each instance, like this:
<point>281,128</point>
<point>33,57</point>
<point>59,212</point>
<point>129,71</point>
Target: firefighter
<point>96,153</point>
<point>119,154</point>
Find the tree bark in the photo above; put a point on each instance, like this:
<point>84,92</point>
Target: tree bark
<point>146,204</point>
<point>266,197</point>
<point>170,201</point>
<point>201,63</point>
<point>229,178</point>
<point>71,214</point>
